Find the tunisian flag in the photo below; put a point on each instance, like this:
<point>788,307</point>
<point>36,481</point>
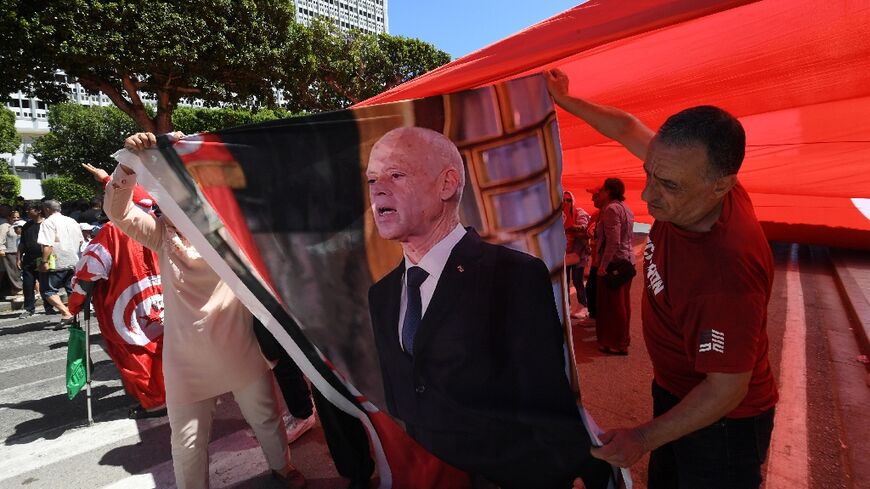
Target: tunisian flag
<point>128,300</point>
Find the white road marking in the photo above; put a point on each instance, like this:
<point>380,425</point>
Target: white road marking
<point>21,458</point>
<point>787,466</point>
<point>50,356</point>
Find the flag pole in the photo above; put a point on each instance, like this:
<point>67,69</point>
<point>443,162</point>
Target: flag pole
<point>87,312</point>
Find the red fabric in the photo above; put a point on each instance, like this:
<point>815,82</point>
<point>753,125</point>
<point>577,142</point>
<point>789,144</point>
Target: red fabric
<point>210,149</point>
<point>403,453</point>
<point>795,72</point>
<point>128,300</point>
<point>705,304</point>
<point>613,315</point>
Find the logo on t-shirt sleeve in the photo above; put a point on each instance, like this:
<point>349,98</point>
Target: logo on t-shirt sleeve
<point>712,340</point>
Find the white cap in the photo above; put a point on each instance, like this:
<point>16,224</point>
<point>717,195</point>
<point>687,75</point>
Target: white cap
<point>19,223</point>
<point>86,227</point>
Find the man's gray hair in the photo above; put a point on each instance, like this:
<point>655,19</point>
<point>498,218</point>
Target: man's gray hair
<point>52,205</point>
<point>434,146</point>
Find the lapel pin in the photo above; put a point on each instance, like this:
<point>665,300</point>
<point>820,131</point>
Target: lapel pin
<point>460,269</point>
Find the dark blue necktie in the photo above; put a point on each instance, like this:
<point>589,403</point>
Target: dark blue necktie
<point>414,310</point>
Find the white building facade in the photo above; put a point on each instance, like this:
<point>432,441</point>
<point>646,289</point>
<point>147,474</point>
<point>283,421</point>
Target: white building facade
<point>366,15</point>
<point>31,121</point>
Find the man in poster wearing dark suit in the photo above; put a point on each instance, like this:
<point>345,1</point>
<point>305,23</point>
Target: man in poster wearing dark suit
<point>469,340</point>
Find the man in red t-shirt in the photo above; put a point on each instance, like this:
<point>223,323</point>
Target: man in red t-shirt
<point>708,272</point>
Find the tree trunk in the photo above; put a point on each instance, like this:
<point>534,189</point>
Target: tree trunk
<point>165,106</point>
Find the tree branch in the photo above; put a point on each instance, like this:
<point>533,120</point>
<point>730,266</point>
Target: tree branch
<point>132,90</point>
<point>330,80</point>
<point>92,82</point>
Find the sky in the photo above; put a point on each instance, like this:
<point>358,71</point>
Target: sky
<point>460,27</point>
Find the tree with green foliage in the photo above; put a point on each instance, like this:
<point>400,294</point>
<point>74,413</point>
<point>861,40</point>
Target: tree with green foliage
<point>65,189</point>
<point>235,52</point>
<point>9,138</point>
<point>191,120</point>
<point>333,69</point>
<point>81,134</point>
<point>10,187</point>
<point>90,134</point>
<point>218,51</point>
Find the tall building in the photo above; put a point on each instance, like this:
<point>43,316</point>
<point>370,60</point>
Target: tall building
<point>365,15</point>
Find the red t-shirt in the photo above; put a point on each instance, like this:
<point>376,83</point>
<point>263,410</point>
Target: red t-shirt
<point>705,303</point>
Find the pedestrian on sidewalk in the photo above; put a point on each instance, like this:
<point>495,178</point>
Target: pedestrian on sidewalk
<point>61,239</point>
<point>615,260</point>
<point>708,273</point>
<point>575,221</point>
<point>29,251</point>
<point>209,346</point>
<point>9,252</point>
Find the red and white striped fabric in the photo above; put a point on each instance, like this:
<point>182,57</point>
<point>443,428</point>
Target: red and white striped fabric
<point>128,301</point>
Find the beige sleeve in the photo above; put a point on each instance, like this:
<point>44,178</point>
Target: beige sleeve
<point>133,221</point>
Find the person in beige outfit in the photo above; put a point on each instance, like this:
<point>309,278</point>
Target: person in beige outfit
<point>209,343</point>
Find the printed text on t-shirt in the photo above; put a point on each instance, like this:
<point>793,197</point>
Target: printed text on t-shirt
<point>653,278</point>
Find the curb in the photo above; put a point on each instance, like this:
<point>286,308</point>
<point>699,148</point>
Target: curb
<point>850,267</point>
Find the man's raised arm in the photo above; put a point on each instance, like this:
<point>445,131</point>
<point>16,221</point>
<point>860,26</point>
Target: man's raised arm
<point>614,123</point>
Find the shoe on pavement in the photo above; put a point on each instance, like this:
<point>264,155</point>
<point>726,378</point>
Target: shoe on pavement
<point>608,351</point>
<point>293,480</point>
<point>140,412</point>
<point>25,314</point>
<point>297,427</point>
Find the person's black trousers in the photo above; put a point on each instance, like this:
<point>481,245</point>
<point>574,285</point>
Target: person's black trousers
<point>294,388</point>
<point>592,292</point>
<point>728,454</point>
<point>29,277</point>
<point>347,441</point>
<point>575,276</point>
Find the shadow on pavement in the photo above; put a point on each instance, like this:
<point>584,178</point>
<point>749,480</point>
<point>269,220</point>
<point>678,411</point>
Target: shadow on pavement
<point>55,422</point>
<point>47,323</point>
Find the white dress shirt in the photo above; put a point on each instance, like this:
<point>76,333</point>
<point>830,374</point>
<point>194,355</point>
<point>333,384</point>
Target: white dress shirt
<point>433,262</point>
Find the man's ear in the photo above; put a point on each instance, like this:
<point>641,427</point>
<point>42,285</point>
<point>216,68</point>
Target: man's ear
<point>449,184</point>
<point>724,184</point>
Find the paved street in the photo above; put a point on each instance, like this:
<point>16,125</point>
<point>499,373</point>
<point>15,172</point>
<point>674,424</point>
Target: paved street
<point>822,422</point>
<point>47,443</point>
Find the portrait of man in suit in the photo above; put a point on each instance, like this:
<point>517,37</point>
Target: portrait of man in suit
<point>468,336</point>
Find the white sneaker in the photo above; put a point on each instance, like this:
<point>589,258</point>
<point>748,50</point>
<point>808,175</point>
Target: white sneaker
<point>297,427</point>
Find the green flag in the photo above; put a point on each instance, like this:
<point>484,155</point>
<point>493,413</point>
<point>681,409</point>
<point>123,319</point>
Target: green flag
<point>75,361</point>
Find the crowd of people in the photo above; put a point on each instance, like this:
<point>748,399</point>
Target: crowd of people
<point>40,247</point>
<point>478,382</point>
<point>603,242</point>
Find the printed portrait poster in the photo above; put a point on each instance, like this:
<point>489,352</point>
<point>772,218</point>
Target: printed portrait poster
<point>290,215</point>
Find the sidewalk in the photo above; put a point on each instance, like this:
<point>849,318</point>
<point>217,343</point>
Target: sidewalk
<point>851,270</point>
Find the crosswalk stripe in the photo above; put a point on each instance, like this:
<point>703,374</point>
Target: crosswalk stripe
<point>787,467</point>
<point>50,356</point>
<point>40,338</point>
<point>24,457</point>
<point>33,390</point>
